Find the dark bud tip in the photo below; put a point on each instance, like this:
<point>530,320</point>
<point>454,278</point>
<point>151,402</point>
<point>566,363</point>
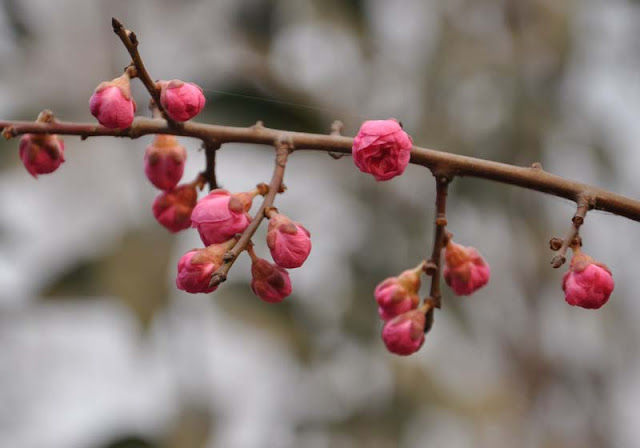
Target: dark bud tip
<point>116,24</point>
<point>558,261</point>
<point>555,243</point>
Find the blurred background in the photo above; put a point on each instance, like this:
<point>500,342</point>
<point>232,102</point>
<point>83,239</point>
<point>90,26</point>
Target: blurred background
<point>99,349</point>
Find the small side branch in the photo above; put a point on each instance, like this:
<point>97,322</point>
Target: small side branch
<point>434,265</point>
<point>137,69</point>
<point>584,203</point>
<point>283,149</point>
<point>210,149</point>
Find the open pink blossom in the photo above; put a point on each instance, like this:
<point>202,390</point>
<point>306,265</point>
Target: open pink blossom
<point>112,104</point>
<point>587,283</point>
<point>465,271</point>
<point>382,148</point>
<point>41,154</point>
<point>288,241</point>
<point>404,334</point>
<point>196,267</point>
<point>220,215</point>
<point>269,282</point>
<point>164,161</point>
<point>182,100</point>
<point>173,208</point>
<point>397,295</point>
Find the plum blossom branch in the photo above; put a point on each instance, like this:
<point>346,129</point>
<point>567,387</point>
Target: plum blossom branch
<point>530,178</point>
<point>283,147</point>
<point>584,203</point>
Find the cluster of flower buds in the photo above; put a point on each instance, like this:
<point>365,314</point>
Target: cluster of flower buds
<point>219,218</point>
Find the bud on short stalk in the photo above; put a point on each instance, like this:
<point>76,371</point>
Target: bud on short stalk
<point>41,154</point>
<point>397,295</point>
<point>173,208</point>
<point>181,100</point>
<point>220,215</point>
<point>164,162</point>
<point>112,104</point>
<point>196,267</point>
<point>269,282</point>
<point>465,271</point>
<point>288,241</point>
<point>587,284</point>
<point>404,334</point>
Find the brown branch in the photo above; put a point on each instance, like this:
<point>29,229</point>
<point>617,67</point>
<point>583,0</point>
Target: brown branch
<point>130,41</point>
<point>210,149</point>
<point>532,178</point>
<point>283,149</point>
<point>434,265</point>
<point>584,202</point>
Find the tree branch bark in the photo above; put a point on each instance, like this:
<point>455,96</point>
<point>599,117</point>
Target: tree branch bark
<point>531,178</point>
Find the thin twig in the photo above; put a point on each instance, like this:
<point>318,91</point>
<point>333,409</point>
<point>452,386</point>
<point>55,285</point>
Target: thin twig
<point>130,41</point>
<point>283,149</point>
<point>529,178</point>
<point>584,202</point>
<point>434,265</point>
<point>210,149</point>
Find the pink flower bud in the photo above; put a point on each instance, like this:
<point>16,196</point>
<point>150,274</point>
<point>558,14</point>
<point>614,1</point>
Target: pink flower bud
<point>181,100</point>
<point>288,241</point>
<point>41,154</point>
<point>270,282</point>
<point>382,148</point>
<point>196,267</point>
<point>164,161</point>
<point>587,283</point>
<point>404,334</point>
<point>112,103</point>
<point>173,208</point>
<point>397,295</point>
<point>465,271</point>
<point>220,215</point>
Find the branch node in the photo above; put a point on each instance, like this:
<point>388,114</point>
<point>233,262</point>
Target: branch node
<point>216,279</point>
<point>537,166</point>
<point>228,256</point>
<point>555,243</point>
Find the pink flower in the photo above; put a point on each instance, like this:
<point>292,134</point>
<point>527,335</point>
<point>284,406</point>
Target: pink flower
<point>288,241</point>
<point>164,161</point>
<point>41,154</point>
<point>382,148</point>
<point>173,208</point>
<point>587,283</point>
<point>269,282</point>
<point>112,103</point>
<point>181,100</point>
<point>404,334</point>
<point>397,295</point>
<point>220,215</point>
<point>196,267</point>
<point>465,270</point>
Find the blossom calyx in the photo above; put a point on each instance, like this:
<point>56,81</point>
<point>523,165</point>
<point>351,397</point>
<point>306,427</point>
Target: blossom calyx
<point>112,103</point>
<point>397,295</point>
<point>288,241</point>
<point>164,161</point>
<point>382,148</point>
<point>587,283</point>
<point>41,153</point>
<point>181,100</point>
<point>465,271</point>
<point>173,208</point>
<point>220,215</point>
<point>404,334</point>
<point>196,267</point>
